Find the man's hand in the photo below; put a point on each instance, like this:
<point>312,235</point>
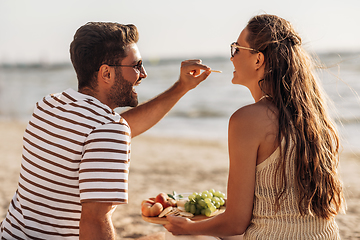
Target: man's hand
<point>190,73</point>
<point>95,221</point>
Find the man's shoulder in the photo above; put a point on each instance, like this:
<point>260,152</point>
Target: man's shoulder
<point>73,109</point>
<point>120,126</point>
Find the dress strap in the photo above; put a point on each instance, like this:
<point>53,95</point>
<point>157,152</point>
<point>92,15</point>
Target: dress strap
<point>265,96</point>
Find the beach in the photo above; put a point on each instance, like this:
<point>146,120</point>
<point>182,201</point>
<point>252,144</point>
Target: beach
<point>167,164</point>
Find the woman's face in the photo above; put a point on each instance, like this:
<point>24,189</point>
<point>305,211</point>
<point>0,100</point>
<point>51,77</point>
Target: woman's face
<point>244,62</point>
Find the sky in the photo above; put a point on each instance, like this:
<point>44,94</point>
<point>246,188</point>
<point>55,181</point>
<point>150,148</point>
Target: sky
<point>41,30</point>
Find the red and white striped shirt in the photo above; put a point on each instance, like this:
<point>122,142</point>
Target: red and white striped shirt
<point>75,150</point>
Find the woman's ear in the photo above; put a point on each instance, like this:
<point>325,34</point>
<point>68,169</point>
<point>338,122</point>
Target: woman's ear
<point>260,60</point>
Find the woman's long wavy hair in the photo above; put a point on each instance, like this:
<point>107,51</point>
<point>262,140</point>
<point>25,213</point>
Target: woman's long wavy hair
<point>291,83</point>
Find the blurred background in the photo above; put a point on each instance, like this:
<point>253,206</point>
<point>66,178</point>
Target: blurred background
<point>34,54</point>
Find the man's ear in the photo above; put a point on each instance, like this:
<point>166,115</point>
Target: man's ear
<point>260,60</point>
<point>104,73</point>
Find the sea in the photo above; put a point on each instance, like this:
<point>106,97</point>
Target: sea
<point>203,113</point>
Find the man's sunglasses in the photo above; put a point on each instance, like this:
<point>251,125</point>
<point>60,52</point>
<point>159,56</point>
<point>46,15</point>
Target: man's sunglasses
<point>137,66</point>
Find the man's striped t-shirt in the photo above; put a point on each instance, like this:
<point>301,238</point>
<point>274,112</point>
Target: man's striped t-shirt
<point>75,150</point>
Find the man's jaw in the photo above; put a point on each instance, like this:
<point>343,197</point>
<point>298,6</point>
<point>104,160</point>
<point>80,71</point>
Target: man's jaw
<point>137,83</point>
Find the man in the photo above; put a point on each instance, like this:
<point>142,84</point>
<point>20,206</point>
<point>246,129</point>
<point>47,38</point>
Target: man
<point>76,149</point>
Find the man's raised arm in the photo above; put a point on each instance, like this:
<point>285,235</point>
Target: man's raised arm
<point>146,115</point>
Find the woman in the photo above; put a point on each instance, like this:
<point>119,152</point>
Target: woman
<point>283,149</point>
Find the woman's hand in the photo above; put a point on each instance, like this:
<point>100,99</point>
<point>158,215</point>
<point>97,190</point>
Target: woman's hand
<point>178,225</point>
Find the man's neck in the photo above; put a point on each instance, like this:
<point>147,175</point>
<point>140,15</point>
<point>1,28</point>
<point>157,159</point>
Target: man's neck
<point>101,96</point>
<point>89,91</point>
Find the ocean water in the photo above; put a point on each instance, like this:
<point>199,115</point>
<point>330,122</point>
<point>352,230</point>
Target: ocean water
<point>203,112</point>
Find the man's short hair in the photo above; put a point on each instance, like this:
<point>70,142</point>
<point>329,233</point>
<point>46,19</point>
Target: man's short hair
<point>97,43</point>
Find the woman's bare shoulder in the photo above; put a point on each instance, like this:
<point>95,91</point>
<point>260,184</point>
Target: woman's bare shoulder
<point>257,120</point>
<point>258,124</point>
<point>255,112</point>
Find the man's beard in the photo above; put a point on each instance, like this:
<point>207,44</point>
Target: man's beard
<point>121,93</point>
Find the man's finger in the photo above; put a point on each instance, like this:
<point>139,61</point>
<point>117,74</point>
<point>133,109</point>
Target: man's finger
<point>195,66</point>
<point>204,75</point>
<point>191,61</point>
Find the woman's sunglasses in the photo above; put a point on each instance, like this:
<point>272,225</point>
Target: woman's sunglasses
<point>234,47</point>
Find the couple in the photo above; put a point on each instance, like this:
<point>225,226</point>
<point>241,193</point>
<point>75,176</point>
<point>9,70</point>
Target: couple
<point>283,149</point>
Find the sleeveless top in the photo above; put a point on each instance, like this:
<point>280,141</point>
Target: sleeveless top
<point>287,222</point>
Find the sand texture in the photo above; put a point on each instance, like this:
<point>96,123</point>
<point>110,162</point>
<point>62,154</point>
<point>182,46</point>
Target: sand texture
<point>165,165</point>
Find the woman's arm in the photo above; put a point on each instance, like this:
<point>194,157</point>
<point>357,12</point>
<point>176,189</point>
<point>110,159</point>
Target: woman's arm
<point>244,139</point>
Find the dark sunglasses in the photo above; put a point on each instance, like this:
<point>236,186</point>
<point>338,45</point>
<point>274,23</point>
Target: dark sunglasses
<point>234,47</point>
<point>137,66</point>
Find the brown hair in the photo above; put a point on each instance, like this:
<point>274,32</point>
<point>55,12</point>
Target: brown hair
<point>97,43</point>
<point>290,81</point>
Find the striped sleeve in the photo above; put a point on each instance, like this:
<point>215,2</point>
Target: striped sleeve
<point>104,168</point>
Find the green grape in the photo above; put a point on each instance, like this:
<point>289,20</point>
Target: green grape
<point>198,197</point>
<point>204,195</point>
<point>205,192</point>
<point>208,212</point>
<point>197,212</point>
<point>191,197</point>
<point>203,211</point>
<point>205,203</point>
<point>215,199</point>
<point>192,209</point>
<point>187,206</point>
<point>202,203</point>
<point>210,205</point>
<point>219,194</point>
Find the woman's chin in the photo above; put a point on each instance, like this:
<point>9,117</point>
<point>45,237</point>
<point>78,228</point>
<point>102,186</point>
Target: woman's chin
<point>235,80</point>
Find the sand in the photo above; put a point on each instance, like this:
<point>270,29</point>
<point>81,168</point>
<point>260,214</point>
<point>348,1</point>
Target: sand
<point>166,165</point>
